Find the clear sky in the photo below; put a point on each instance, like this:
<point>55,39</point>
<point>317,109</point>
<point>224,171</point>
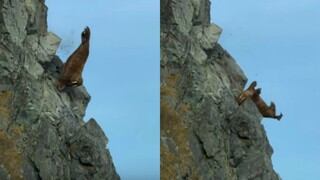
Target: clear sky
<point>122,75</point>
<point>277,43</point>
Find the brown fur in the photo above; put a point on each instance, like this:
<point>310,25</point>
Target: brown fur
<point>72,70</point>
<point>248,93</point>
<point>254,94</point>
<point>265,110</point>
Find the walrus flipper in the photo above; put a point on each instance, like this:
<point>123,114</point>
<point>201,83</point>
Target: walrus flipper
<point>253,84</point>
<point>279,116</point>
<point>258,91</point>
<point>273,106</point>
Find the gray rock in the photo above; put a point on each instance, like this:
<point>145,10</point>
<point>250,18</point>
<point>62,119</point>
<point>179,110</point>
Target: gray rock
<point>205,134</point>
<point>42,131</point>
<point>50,43</point>
<point>207,36</point>
<point>15,27</point>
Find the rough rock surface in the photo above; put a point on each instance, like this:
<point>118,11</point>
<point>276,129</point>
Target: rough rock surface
<point>204,133</point>
<point>42,132</point>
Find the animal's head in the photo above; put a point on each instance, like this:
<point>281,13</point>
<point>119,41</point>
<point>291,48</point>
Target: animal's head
<point>244,96</point>
<point>85,35</point>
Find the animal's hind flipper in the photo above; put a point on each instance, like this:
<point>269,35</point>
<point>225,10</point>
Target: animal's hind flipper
<point>253,84</point>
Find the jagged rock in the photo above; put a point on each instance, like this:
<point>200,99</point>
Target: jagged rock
<point>50,43</point>
<point>207,36</point>
<point>42,132</point>
<point>205,134</point>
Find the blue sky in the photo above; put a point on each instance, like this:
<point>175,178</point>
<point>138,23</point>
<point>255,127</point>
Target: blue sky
<point>277,44</point>
<point>122,75</point>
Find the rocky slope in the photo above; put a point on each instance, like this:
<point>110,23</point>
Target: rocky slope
<point>42,132</point>
<point>204,133</point>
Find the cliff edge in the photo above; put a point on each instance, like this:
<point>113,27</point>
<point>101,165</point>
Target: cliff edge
<point>42,132</point>
<point>205,134</point>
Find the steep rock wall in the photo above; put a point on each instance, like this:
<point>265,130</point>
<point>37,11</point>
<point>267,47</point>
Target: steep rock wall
<point>42,132</point>
<point>204,133</point>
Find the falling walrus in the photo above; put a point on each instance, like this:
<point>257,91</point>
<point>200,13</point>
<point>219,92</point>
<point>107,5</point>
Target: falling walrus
<point>71,74</point>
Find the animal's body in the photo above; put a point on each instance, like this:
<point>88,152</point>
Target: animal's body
<point>72,70</point>
<point>254,94</point>
<point>265,110</point>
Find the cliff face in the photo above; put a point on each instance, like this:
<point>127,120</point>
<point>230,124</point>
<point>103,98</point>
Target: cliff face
<point>42,132</point>
<point>205,134</point>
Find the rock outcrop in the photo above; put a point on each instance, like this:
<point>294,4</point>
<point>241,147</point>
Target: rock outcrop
<point>205,134</point>
<point>42,132</point>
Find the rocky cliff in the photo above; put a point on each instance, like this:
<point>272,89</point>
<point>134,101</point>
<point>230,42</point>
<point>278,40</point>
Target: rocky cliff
<point>42,132</point>
<point>205,134</point>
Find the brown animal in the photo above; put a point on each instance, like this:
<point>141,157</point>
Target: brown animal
<point>72,70</point>
<point>265,110</point>
<point>248,93</point>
